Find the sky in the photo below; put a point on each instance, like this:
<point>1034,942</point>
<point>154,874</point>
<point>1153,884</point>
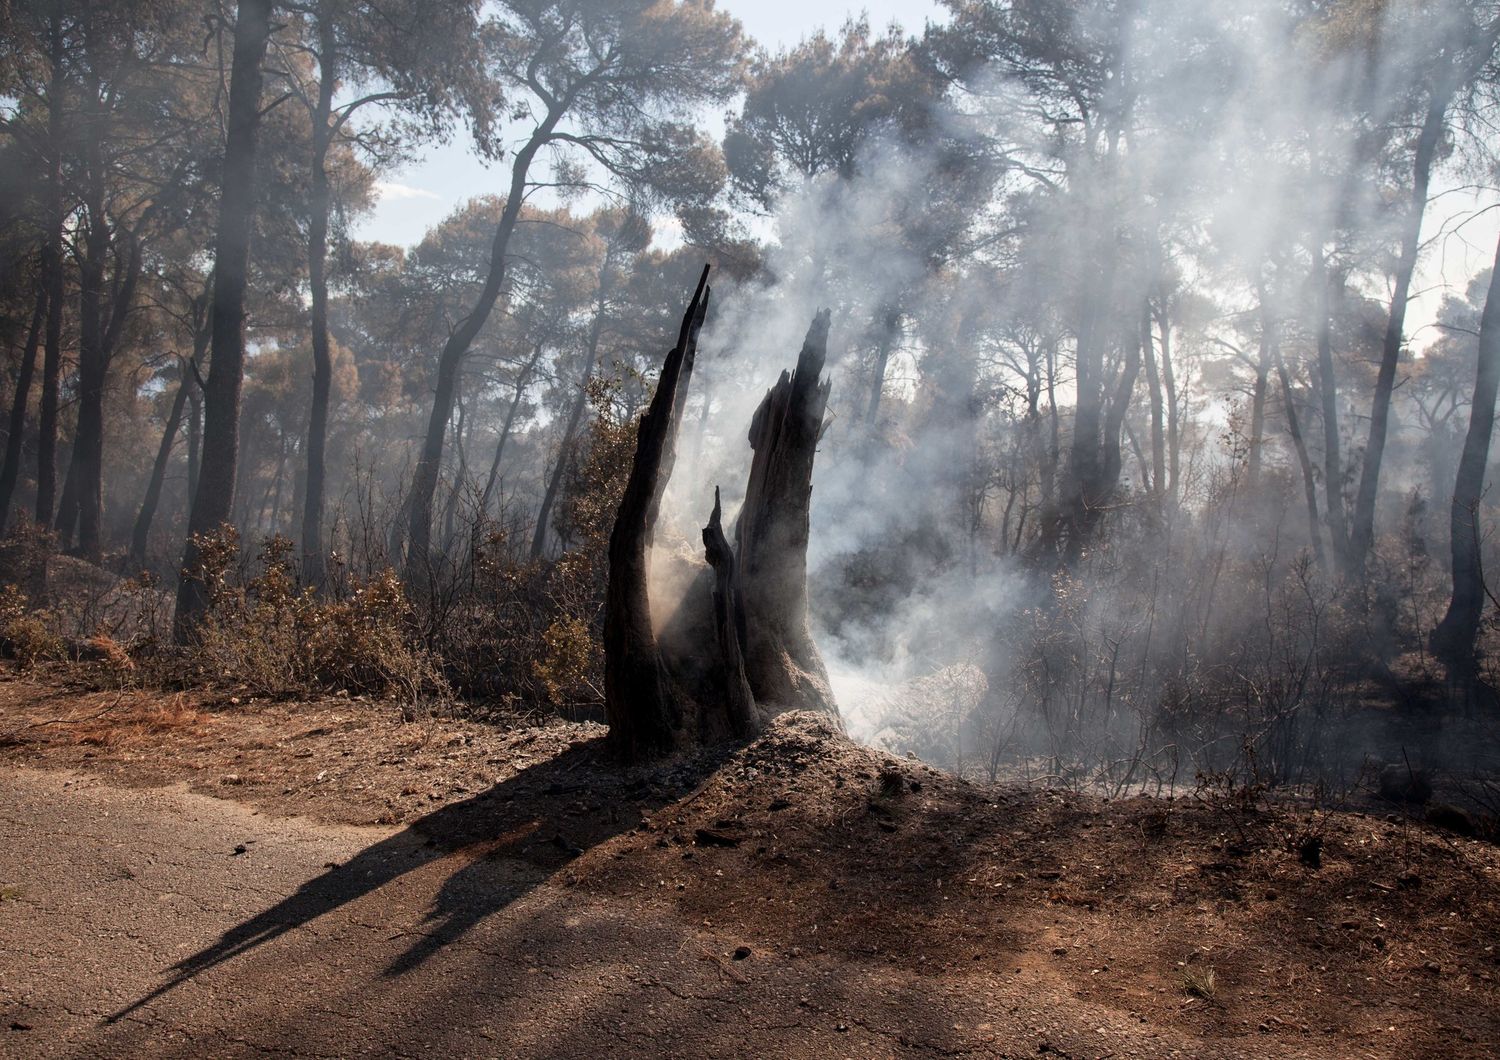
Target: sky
<point>418,196</point>
<point>1461,227</point>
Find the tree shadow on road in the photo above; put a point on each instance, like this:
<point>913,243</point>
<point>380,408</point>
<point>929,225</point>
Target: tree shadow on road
<point>528,826</point>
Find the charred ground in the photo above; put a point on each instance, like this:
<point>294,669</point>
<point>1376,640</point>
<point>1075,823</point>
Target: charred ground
<point>823,897</point>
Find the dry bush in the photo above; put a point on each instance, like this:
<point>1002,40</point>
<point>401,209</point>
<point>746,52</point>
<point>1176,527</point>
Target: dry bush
<point>281,640</point>
<point>27,633</point>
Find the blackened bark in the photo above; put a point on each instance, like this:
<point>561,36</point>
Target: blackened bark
<point>194,440</point>
<point>141,533</point>
<point>1362,533</point>
<point>52,268</point>
<point>314,561</point>
<point>1258,398</point>
<point>82,496</point>
<point>214,499</point>
<point>1158,427</point>
<point>66,522</point>
<point>740,716</point>
<point>1169,383</point>
<point>890,329</point>
<point>1333,462</point>
<point>782,662</point>
<point>1309,481</point>
<point>1453,640</point>
<point>10,471</point>
<point>565,448</point>
<point>510,419</point>
<point>1114,423</point>
<point>644,714</point>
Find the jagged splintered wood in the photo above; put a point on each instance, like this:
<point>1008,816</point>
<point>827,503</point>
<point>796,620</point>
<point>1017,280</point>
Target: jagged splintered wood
<point>729,625</point>
<point>726,669</point>
<point>782,663</point>
<point>644,714</point>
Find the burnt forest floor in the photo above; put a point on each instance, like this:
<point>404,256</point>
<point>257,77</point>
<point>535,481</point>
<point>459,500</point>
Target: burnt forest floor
<point>187,877</point>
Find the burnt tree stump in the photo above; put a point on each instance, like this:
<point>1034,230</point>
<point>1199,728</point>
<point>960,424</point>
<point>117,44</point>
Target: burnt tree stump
<point>644,712</point>
<point>740,650</point>
<point>782,663</point>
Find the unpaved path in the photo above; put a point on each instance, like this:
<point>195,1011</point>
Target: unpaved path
<point>133,928</point>
<point>519,895</point>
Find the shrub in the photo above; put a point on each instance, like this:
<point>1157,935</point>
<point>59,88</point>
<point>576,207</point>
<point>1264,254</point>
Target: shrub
<point>27,634</point>
<point>281,640</point>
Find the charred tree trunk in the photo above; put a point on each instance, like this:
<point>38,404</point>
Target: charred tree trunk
<point>751,656</point>
<point>1333,462</point>
<point>890,329</point>
<point>1158,421</point>
<point>1453,640</point>
<point>782,662</point>
<point>1174,407</point>
<point>729,626</point>
<point>644,713</point>
<point>510,420</point>
<point>141,533</point>
<point>314,561</point>
<point>82,494</point>
<point>1258,402</point>
<point>194,439</point>
<point>52,269</point>
<point>67,505</point>
<point>1299,443</point>
<point>10,471</point>
<point>1362,534</point>
<point>213,500</point>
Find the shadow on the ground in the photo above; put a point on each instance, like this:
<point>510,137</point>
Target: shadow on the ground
<point>536,822</point>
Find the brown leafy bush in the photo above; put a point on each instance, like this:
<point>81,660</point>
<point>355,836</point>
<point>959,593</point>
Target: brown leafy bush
<point>27,633</point>
<point>281,640</point>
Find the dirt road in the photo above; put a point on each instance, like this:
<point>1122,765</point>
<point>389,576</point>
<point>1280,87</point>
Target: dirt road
<point>156,922</point>
<point>518,894</point>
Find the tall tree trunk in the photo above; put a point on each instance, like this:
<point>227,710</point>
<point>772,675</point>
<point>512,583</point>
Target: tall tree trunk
<point>1333,461</point>
<point>1454,638</point>
<point>314,561</point>
<point>425,476</point>
<point>86,470</point>
<point>141,533</point>
<point>890,328</point>
<point>66,523</point>
<point>1362,533</point>
<point>460,474</point>
<point>575,418</point>
<point>10,471</point>
<point>1299,443</point>
<point>99,330</point>
<point>1114,421</point>
<point>214,499</point>
<point>53,269</point>
<point>1174,407</point>
<point>1258,393</point>
<point>1158,427</point>
<point>194,439</point>
<point>510,419</point>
